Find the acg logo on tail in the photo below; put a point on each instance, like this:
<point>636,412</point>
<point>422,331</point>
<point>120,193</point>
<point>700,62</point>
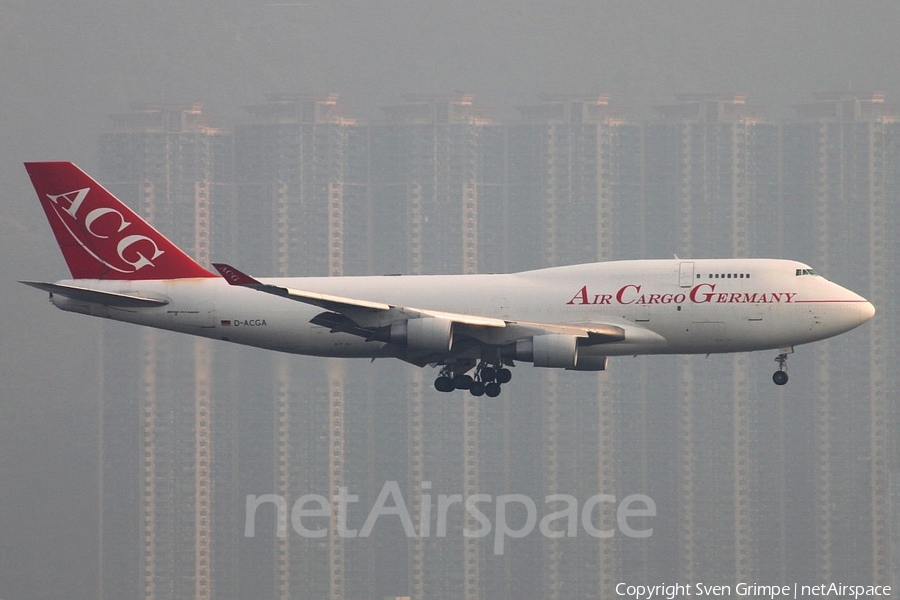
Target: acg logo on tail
<point>103,232</point>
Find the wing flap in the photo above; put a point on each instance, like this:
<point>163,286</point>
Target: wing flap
<point>589,334</point>
<point>473,320</point>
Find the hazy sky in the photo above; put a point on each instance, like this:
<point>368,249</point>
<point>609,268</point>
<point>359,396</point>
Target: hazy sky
<point>65,65</point>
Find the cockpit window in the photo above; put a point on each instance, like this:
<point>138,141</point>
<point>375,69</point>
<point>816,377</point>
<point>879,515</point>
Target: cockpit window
<point>805,272</point>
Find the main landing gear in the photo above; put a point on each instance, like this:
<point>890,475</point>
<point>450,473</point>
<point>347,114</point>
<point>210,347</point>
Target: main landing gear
<point>487,380</point>
<point>780,377</point>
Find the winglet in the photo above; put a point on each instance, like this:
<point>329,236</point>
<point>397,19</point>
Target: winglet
<point>233,276</point>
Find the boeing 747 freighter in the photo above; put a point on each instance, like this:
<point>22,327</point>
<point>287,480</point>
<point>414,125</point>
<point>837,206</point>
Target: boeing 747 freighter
<point>473,328</point>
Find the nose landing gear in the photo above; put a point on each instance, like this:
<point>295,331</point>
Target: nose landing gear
<point>780,377</point>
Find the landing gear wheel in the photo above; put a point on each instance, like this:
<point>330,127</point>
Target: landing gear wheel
<point>781,377</point>
<point>444,384</point>
<point>462,381</point>
<point>487,379</point>
<point>488,373</point>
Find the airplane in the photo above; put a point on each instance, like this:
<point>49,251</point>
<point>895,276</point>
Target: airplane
<point>472,327</point>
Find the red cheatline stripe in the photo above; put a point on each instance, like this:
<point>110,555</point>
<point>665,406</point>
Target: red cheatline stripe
<point>821,301</point>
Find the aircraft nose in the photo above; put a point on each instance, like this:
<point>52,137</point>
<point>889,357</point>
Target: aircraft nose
<point>866,312</point>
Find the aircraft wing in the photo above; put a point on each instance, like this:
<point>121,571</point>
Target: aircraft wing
<point>364,317</point>
<point>365,312</point>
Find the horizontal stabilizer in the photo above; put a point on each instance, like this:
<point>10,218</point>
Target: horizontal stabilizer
<point>96,296</point>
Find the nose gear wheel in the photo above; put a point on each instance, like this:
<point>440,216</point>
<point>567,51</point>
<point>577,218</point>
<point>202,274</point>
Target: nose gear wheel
<point>780,377</point>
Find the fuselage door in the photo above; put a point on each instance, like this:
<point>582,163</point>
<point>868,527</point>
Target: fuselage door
<point>686,274</point>
<point>207,314</point>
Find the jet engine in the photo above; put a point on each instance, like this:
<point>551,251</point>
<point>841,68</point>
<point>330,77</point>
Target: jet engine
<point>591,363</point>
<point>429,333</point>
<point>556,350</point>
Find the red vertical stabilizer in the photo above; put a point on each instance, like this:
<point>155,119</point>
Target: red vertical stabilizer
<point>100,237</point>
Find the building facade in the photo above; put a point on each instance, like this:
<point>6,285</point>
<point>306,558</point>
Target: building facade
<point>160,502</point>
<point>840,157</point>
<point>711,179</point>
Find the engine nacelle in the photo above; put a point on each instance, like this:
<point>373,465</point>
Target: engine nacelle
<point>555,350</point>
<point>591,363</point>
<point>430,333</point>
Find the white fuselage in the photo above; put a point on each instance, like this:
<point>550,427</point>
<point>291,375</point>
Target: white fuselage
<point>664,306</point>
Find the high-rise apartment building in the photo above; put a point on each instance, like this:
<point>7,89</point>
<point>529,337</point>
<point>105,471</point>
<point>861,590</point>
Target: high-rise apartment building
<point>300,181</point>
<point>841,197</point>
<point>162,472</point>
<point>434,179</point>
<point>573,167</point>
<point>302,205</point>
<point>427,180</point>
<point>710,175</point>
<point>574,181</point>
<point>711,178</point>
